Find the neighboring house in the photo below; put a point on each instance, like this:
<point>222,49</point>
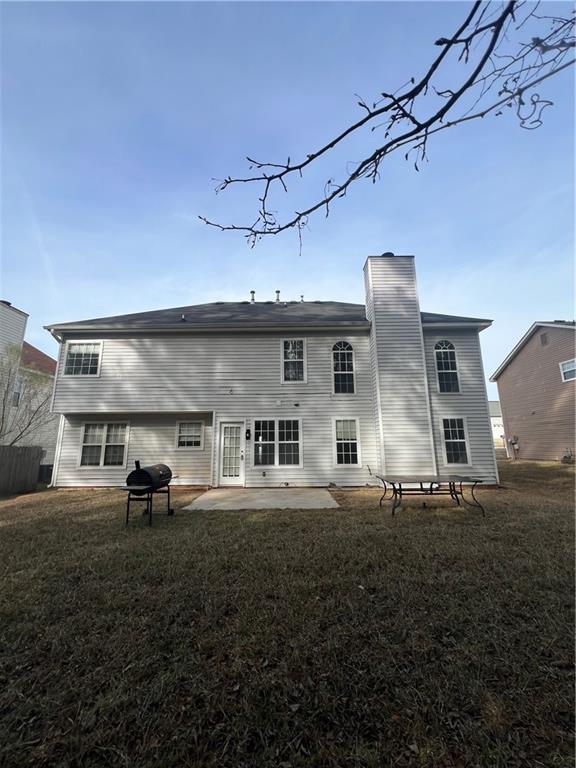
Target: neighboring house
<point>536,384</point>
<point>26,384</point>
<point>497,423</point>
<point>276,393</point>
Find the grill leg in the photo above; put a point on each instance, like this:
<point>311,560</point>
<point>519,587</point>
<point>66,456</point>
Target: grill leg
<point>170,510</point>
<point>149,502</point>
<point>128,508</point>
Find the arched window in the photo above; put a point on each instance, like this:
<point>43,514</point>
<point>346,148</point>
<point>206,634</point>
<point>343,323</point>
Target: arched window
<point>343,367</point>
<point>446,366</point>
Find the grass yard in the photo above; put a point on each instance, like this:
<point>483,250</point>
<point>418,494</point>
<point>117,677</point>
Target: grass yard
<point>285,639</point>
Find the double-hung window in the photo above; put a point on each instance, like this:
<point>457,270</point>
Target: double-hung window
<point>293,360</point>
<point>190,434</point>
<point>82,358</point>
<point>343,366</point>
<point>277,442</point>
<point>568,370</point>
<point>347,441</point>
<point>446,366</point>
<point>104,445</point>
<point>455,441</point>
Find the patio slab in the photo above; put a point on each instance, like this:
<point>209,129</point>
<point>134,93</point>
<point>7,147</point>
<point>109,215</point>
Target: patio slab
<point>264,498</point>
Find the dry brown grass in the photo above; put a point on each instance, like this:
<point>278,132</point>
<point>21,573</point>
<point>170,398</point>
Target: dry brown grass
<point>308,638</point>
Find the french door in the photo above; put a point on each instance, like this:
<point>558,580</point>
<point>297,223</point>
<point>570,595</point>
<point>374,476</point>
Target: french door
<point>231,470</point>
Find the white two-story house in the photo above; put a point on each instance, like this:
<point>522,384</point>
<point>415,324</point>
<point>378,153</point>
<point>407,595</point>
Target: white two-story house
<point>276,393</point>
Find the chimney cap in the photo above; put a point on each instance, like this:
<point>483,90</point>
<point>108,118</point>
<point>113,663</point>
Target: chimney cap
<point>388,253</point>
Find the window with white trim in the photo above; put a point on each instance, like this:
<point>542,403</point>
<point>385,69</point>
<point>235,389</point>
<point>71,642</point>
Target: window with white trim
<point>82,359</point>
<point>293,364</point>
<point>190,434</point>
<point>455,441</point>
<point>346,434</point>
<point>446,366</point>
<point>343,367</point>
<point>104,445</point>
<point>17,391</point>
<point>568,370</point>
<point>277,442</point>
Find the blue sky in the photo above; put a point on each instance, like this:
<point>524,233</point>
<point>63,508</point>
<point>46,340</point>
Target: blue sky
<point>116,116</point>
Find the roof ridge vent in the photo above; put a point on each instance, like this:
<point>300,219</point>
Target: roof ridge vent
<point>277,297</point>
<point>252,299</point>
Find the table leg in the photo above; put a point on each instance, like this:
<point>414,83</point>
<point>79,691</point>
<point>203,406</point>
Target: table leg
<point>385,492</point>
<point>397,498</point>
<point>474,504</point>
<point>454,492</point>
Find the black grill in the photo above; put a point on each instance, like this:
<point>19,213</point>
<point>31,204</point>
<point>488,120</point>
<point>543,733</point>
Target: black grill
<point>143,482</point>
<point>153,477</point>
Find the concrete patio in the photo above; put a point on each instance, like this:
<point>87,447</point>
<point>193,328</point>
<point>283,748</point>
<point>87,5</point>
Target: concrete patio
<point>264,498</point>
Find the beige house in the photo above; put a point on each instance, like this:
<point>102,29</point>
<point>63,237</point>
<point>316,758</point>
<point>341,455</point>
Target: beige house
<point>537,388</point>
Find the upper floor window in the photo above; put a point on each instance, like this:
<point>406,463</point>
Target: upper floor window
<point>104,445</point>
<point>82,358</point>
<point>293,360</point>
<point>568,370</point>
<point>343,365</point>
<point>446,366</point>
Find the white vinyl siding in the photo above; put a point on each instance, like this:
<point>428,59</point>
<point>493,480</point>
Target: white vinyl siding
<point>151,440</point>
<point>400,382</point>
<point>470,403</point>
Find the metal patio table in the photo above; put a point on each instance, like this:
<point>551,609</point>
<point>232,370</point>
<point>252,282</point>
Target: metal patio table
<point>430,485</point>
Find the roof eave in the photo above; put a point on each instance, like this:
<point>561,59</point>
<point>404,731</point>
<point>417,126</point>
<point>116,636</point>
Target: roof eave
<point>186,327</point>
<point>480,325</point>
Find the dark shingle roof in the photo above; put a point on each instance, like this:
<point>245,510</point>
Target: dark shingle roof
<point>260,314</point>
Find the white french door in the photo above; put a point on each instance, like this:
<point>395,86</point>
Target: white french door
<point>231,454</point>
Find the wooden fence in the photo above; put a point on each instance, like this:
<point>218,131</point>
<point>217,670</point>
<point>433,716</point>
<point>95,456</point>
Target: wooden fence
<point>19,468</point>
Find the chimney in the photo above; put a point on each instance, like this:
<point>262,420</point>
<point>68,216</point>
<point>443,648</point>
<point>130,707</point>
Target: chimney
<point>277,297</point>
<point>252,293</point>
<point>399,380</point>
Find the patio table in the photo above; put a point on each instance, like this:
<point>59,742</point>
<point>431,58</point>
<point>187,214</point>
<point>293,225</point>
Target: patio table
<point>430,485</point>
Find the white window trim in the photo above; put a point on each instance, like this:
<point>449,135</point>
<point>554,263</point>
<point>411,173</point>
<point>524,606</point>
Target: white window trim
<point>466,439</point>
<point>83,375</point>
<point>334,443</point>
<point>305,357</point>
<point>443,338</point>
<point>563,362</point>
<point>276,465</point>
<point>332,372</point>
<point>189,447</point>
<point>83,467</point>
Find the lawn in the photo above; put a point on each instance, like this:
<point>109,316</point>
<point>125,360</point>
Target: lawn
<point>301,638</point>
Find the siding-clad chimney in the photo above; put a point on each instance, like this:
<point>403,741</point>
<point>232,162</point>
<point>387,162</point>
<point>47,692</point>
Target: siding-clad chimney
<point>398,366</point>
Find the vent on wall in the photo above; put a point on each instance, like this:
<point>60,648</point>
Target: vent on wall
<point>543,339</point>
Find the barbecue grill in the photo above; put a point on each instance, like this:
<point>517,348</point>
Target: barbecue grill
<point>143,482</point>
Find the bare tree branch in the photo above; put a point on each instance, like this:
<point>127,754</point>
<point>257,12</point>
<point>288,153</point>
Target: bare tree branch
<point>488,45</point>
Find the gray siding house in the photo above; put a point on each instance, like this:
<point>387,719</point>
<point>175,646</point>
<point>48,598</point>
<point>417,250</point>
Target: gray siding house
<point>276,393</point>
